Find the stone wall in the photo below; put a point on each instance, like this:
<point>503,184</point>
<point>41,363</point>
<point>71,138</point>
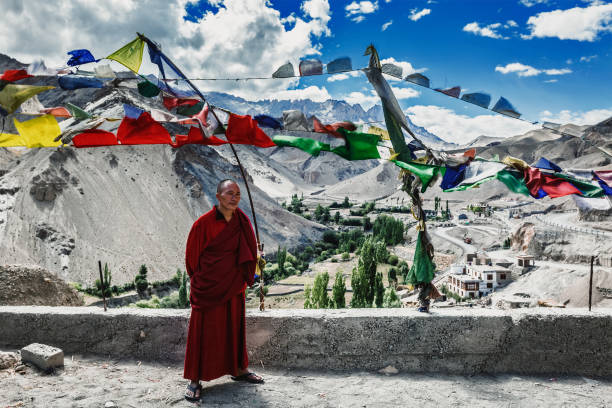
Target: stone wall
<point>527,341</point>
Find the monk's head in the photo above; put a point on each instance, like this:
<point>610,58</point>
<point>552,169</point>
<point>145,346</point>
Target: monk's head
<point>228,195</point>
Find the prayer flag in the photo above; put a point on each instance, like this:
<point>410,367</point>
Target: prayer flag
<point>12,96</point>
<point>285,71</point>
<point>332,129</point>
<point>545,164</point>
<point>513,180</point>
<point>311,67</point>
<point>244,130</point>
<point>310,146</point>
<point>294,120</point>
<point>339,65</point>
<point>423,268</point>
<point>148,89</point>
<point>359,146</point>
<point>171,103</point>
<point>481,99</point>
<point>453,92</point>
<point>392,69</point>
<point>586,188</point>
<point>39,132</point>
<point>130,55</point>
<point>58,112</point>
<point>12,75</point>
<point>418,79</point>
<point>94,138</point>
<point>143,130</point>
<point>11,140</point>
<point>425,172</point>
<point>453,176</point>
<point>268,121</point>
<point>190,110</point>
<point>375,130</point>
<point>72,82</point>
<point>195,136</point>
<point>79,57</point>
<point>549,184</point>
<point>32,106</point>
<point>589,204</point>
<point>132,112</point>
<point>504,107</point>
<point>77,112</point>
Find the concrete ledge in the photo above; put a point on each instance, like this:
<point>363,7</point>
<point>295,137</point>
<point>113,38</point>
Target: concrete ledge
<point>527,341</point>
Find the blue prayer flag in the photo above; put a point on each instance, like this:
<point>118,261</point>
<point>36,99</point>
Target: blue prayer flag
<point>504,107</point>
<point>79,57</point>
<point>132,112</point>
<point>268,121</point>
<point>481,99</point>
<point>544,163</point>
<point>72,82</point>
<point>339,65</point>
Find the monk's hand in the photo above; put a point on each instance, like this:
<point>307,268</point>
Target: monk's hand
<point>261,262</point>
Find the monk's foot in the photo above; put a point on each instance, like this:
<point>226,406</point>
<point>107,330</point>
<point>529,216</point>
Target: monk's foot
<point>249,377</point>
<point>193,392</point>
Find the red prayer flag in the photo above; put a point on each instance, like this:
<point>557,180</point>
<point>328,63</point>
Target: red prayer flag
<point>12,75</point>
<point>58,112</point>
<point>94,137</point>
<point>244,130</point>
<point>333,128</point>
<point>144,130</point>
<point>196,136</point>
<point>171,103</point>
<point>550,184</point>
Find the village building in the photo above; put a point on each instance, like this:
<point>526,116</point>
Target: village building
<point>525,260</point>
<point>475,281</point>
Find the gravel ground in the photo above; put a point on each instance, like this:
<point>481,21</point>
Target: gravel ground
<point>87,382</point>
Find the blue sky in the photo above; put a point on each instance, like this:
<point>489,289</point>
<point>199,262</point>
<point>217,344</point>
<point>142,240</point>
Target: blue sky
<point>550,58</point>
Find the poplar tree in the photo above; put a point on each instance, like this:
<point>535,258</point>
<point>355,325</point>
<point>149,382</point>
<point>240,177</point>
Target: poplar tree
<point>379,290</point>
<point>319,297</point>
<point>338,291</point>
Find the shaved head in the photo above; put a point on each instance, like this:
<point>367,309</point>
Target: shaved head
<point>224,183</point>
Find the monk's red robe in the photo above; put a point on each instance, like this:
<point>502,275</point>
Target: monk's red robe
<point>220,260</point>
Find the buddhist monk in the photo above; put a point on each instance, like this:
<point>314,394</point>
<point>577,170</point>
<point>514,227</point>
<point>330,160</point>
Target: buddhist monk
<point>220,259</point>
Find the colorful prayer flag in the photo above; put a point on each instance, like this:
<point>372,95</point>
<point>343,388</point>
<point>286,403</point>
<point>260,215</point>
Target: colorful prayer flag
<point>130,55</point>
<point>332,129</point>
<point>11,140</point>
<point>359,146</point>
<point>12,96</point>
<point>94,138</point>
<point>311,67</point>
<point>504,107</point>
<point>39,132</point>
<point>481,99</point>
<point>12,75</point>
<point>143,130</point>
<point>72,82</point>
<point>285,71</point>
<point>423,268</point>
<point>418,79</point>
<point>310,146</point>
<point>453,92</point>
<point>79,57</point>
<point>244,130</point>
<point>425,172</point>
<point>339,65</point>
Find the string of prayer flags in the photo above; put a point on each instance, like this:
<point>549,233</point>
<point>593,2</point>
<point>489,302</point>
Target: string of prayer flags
<point>481,99</point>
<point>392,69</point>
<point>504,107</point>
<point>285,71</point>
<point>12,75</point>
<point>453,92</point>
<point>332,129</point>
<point>12,96</point>
<point>39,132</point>
<point>339,65</point>
<point>244,130</point>
<point>310,146</point>
<point>311,67</point>
<point>143,130</point>
<point>418,79</point>
<point>72,82</point>
<point>268,122</point>
<point>79,57</point>
<point>130,55</point>
<point>478,172</point>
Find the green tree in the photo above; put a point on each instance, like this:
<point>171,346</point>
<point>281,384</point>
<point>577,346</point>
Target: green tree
<point>388,229</point>
<point>318,213</point>
<point>338,291</point>
<point>337,217</point>
<point>107,277</point>
<point>307,297</point>
<point>326,217</point>
<point>379,290</point>
<point>391,299</point>
<point>359,283</point>
<point>141,280</point>
<point>183,299</point>
<point>381,252</point>
<point>319,297</point>
<point>281,258</point>
<point>346,203</point>
<point>403,270</point>
<point>392,277</point>
<point>367,224</point>
<point>367,262</point>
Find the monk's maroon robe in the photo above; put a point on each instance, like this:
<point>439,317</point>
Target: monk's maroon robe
<point>220,260</point>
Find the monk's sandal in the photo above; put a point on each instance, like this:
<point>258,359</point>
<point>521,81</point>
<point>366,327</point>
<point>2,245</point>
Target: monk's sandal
<point>190,393</point>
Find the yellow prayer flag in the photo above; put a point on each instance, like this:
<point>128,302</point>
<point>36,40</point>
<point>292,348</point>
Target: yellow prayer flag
<point>11,140</point>
<point>12,96</point>
<point>375,130</point>
<point>39,132</point>
<point>516,163</point>
<point>129,55</point>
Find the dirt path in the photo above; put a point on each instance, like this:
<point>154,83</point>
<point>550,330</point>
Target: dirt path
<point>94,383</point>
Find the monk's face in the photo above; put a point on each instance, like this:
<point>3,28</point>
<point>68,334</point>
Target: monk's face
<point>229,197</point>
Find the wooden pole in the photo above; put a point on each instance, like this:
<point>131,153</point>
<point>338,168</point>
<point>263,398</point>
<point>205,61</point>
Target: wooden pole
<point>102,284</point>
<point>591,282</point>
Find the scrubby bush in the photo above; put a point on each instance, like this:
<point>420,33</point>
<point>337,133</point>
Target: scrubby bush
<point>141,280</point>
<point>391,299</point>
<point>393,260</point>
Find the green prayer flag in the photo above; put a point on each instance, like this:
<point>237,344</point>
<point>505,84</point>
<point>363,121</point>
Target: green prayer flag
<point>425,172</point>
<point>359,146</point>
<point>12,96</point>
<point>148,89</point>
<point>587,189</point>
<point>423,268</point>
<point>310,146</point>
<point>514,181</point>
<point>130,55</point>
<point>464,187</point>
<point>77,112</point>
<point>190,110</point>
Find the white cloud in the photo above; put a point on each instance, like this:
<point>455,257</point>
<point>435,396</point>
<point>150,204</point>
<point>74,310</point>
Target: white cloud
<point>343,75</point>
<point>386,25</point>
<point>591,117</point>
<point>486,31</point>
<point>551,81</point>
<point>407,67</point>
<point>578,23</point>
<point>511,23</point>
<point>258,42</point>
<point>461,129</point>
<point>417,15</point>
<point>527,70</point>
<point>356,10</point>
<point>530,3</point>
<point>313,93</point>
<point>588,58</point>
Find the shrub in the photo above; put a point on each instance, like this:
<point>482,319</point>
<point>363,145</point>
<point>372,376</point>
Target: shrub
<point>345,256</point>
<point>390,230</point>
<point>331,237</point>
<point>141,280</point>
<point>393,260</point>
<point>391,299</point>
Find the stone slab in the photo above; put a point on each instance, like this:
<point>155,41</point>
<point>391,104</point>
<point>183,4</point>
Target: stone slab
<point>43,356</point>
<point>457,341</point>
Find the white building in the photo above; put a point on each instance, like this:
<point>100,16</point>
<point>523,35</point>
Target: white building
<point>476,280</point>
